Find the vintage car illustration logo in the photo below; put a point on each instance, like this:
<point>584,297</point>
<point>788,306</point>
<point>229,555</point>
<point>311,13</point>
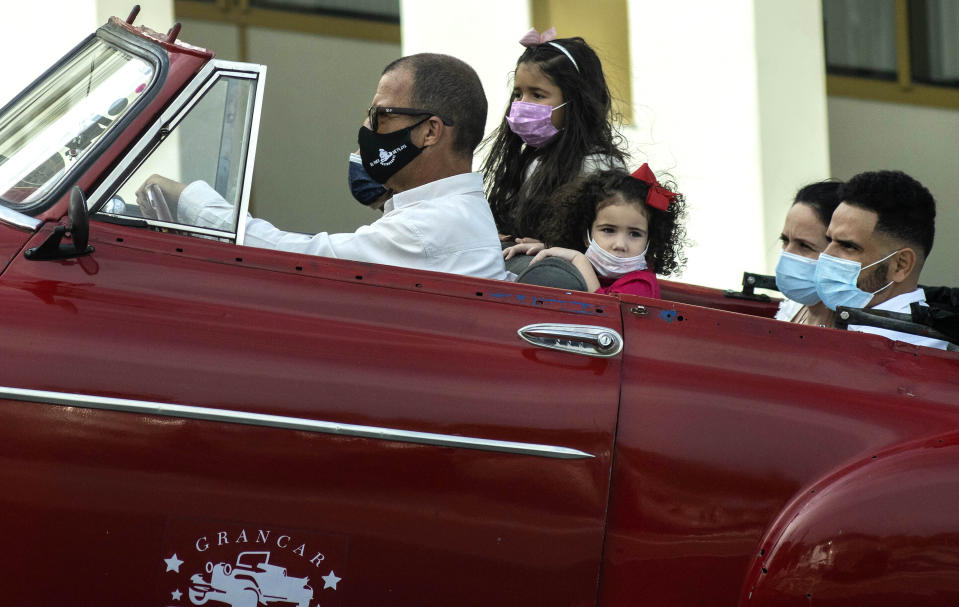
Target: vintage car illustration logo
<point>250,565</point>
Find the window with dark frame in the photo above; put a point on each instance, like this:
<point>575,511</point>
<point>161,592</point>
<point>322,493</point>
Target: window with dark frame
<point>860,38</point>
<point>376,20</point>
<point>905,41</point>
<point>934,42</point>
<point>377,10</point>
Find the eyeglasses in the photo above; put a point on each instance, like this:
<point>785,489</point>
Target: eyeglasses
<point>375,110</point>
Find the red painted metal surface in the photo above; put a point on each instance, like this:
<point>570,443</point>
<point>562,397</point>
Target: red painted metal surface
<point>421,523</point>
<point>713,298</point>
<point>725,418</point>
<point>882,530</point>
<point>12,240</point>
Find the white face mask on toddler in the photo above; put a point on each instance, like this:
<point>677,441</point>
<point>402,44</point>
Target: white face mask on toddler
<point>608,265</point>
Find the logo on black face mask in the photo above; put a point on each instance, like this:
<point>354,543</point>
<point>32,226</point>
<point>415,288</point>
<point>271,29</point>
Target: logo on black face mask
<point>387,158</point>
<point>381,164</point>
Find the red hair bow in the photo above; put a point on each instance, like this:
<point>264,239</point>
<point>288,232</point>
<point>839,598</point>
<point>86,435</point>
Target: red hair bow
<point>658,197</point>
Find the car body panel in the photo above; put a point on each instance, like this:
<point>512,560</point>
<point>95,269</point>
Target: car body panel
<point>725,417</point>
<point>236,335</point>
<point>12,240</point>
<point>882,527</point>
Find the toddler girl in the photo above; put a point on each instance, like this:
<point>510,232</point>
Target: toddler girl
<point>629,226</point>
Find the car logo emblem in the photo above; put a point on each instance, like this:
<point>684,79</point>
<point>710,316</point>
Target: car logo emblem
<point>250,565</point>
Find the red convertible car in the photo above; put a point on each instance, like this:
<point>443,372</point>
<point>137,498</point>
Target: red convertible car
<point>171,399</point>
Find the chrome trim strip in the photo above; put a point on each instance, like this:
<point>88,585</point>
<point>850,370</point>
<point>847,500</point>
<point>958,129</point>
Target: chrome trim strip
<point>253,137</point>
<point>218,75</point>
<point>177,227</point>
<point>18,219</point>
<point>105,403</point>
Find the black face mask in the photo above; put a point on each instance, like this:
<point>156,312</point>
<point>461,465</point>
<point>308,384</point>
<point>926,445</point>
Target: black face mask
<point>385,154</point>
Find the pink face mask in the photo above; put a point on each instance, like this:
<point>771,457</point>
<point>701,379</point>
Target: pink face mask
<point>531,121</point>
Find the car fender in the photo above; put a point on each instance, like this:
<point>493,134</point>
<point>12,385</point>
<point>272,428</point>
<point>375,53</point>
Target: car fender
<point>881,531</point>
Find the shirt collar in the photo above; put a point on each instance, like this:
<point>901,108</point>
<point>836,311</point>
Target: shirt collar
<point>464,183</point>
<point>902,301</point>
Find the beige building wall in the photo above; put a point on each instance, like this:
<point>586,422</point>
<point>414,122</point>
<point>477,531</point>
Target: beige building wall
<point>318,91</point>
<point>873,135</point>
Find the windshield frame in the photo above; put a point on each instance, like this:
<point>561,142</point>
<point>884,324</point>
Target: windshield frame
<point>116,36</point>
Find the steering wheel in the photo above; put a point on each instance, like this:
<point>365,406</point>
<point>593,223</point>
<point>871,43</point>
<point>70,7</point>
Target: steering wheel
<point>159,203</point>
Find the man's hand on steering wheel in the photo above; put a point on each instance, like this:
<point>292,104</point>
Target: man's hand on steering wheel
<point>158,197</point>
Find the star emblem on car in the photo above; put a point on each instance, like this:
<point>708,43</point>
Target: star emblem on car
<point>330,580</point>
<point>173,563</point>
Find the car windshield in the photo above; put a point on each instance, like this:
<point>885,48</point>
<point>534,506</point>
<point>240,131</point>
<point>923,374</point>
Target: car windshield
<point>51,128</point>
<point>251,560</point>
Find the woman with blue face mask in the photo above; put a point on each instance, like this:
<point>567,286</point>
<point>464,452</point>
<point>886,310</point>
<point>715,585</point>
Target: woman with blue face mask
<point>803,239</point>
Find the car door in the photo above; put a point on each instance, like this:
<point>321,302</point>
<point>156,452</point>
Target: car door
<point>727,417</point>
<point>189,420</point>
<point>171,398</point>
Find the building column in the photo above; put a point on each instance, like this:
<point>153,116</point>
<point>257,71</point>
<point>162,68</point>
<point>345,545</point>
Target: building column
<point>730,100</point>
<point>484,34</point>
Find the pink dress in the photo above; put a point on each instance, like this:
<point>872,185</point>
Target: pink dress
<point>640,282</point>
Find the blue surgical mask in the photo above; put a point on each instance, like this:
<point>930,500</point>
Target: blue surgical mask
<point>796,278</point>
<point>837,279</point>
<point>364,189</point>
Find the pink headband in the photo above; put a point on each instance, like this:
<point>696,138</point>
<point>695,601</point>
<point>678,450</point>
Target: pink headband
<point>534,38</point>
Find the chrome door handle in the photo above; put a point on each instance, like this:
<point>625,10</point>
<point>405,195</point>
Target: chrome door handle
<point>578,339</point>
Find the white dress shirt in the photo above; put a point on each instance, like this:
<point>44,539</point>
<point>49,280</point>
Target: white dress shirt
<point>900,303</point>
<point>788,309</point>
<point>443,226</point>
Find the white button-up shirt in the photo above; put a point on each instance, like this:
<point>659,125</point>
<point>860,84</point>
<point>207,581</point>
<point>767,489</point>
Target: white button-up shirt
<point>443,226</point>
<point>900,303</point>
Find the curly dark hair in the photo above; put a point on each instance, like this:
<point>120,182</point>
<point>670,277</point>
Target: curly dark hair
<point>577,204</point>
<point>521,205</point>
<point>906,209</point>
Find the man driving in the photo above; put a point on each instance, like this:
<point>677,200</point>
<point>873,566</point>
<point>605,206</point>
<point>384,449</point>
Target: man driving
<point>879,237</point>
<point>425,121</point>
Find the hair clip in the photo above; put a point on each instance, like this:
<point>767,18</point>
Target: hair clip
<point>658,197</point>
